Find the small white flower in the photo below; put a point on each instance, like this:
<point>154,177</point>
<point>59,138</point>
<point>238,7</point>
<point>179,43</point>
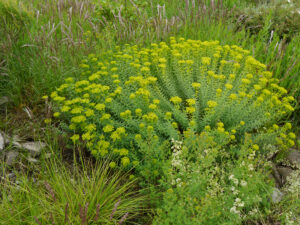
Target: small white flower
<point>235,181</point>
<point>236,192</point>
<point>237,200</point>
<point>250,167</point>
<point>253,212</point>
<point>243,183</point>
<point>241,204</point>
<point>234,210</point>
<point>231,177</point>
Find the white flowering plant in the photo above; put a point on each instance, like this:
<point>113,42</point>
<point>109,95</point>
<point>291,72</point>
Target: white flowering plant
<point>214,186</point>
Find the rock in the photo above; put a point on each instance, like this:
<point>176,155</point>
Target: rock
<point>284,173</point>
<point>294,157</point>
<point>277,195</point>
<point>6,138</point>
<point>14,140</point>
<point>11,175</point>
<point>32,160</point>
<point>10,157</point>
<point>2,142</point>
<point>3,100</point>
<point>34,147</point>
<point>18,182</point>
<point>276,176</point>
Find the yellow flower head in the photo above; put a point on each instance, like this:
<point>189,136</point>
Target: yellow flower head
<point>105,116</point>
<point>205,60</point>
<point>152,106</point>
<point>168,115</point>
<point>229,86</point>
<point>190,110</point>
<point>75,138</point>
<point>292,135</point>
<point>108,128</point>
<point>233,96</point>
<point>191,101</point>
<point>156,101</point>
<point>196,85</point>
<point>176,100</point>
<point>78,119</point>
<point>100,106</point>
<point>255,147</point>
<point>112,165</point>
<point>125,161</point>
<point>211,104</point>
<point>56,114</point>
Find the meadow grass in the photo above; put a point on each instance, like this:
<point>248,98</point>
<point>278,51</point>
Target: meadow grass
<point>60,33</point>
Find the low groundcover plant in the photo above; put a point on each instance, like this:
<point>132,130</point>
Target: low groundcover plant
<point>217,102</point>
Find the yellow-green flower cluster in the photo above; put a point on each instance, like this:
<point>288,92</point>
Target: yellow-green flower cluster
<point>133,94</point>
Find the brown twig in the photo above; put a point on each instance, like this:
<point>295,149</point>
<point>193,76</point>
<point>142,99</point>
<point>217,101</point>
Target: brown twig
<point>50,190</point>
<point>115,209</point>
<point>36,220</point>
<point>66,213</point>
<point>123,218</point>
<point>97,212</point>
<point>83,213</point>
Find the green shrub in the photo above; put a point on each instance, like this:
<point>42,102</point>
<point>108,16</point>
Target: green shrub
<point>130,103</point>
<point>132,97</point>
<point>219,101</point>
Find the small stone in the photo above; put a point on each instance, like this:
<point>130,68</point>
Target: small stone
<point>276,176</point>
<point>294,157</point>
<point>11,175</point>
<point>6,139</point>
<point>10,157</point>
<point>48,155</point>
<point>2,142</point>
<point>284,173</point>
<point>277,195</point>
<point>10,198</point>
<point>4,99</point>
<point>17,144</point>
<point>34,147</point>
<point>18,182</point>
<point>32,160</point>
<point>15,139</point>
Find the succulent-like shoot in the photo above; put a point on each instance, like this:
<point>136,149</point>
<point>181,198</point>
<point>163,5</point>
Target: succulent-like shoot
<point>134,94</point>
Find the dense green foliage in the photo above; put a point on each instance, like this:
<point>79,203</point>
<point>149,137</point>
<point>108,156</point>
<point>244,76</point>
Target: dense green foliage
<point>144,86</point>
